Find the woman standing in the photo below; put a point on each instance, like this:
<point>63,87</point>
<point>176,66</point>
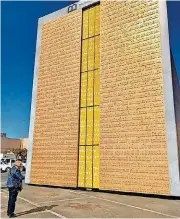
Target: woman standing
<point>14,184</point>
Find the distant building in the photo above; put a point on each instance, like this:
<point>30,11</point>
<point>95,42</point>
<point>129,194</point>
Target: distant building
<point>11,143</point>
<point>24,142</point>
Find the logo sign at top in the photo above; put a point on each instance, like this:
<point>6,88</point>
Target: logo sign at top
<point>72,8</point>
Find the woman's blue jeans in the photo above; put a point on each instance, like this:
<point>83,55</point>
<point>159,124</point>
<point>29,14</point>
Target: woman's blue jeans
<point>13,193</point>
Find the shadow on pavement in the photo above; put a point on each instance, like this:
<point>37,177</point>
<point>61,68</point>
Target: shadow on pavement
<point>3,187</point>
<point>36,210</point>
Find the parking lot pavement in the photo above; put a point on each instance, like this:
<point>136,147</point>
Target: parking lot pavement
<point>46,202</point>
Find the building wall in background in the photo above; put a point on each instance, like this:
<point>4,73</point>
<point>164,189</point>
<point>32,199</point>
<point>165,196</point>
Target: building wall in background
<point>55,140</point>
<point>133,149</point>
<point>24,142</point>
<point>9,143</point>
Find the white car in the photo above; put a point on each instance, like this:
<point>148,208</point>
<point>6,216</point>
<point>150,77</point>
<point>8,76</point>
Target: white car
<point>6,160</point>
<point>6,166</point>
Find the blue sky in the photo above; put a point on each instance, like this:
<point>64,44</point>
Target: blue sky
<point>19,28</point>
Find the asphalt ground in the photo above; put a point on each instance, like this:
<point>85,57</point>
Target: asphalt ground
<point>47,202</point>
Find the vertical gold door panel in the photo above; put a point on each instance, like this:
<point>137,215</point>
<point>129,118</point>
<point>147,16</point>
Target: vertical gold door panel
<point>96,125</point>
<point>91,54</point>
<point>85,24</point>
<point>91,21</point>
<point>83,89</point>
<point>97,20</point>
<point>88,167</point>
<point>89,103</point>
<point>90,89</point>
<point>96,87</point>
<point>97,52</point>
<point>96,159</point>
<point>83,126</point>
<point>89,125</point>
<point>84,55</point>
<point>81,176</point>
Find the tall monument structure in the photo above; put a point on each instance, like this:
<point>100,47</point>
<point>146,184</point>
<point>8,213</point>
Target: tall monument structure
<point>105,110</point>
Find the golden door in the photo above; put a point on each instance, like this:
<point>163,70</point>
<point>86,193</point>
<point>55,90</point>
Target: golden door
<point>88,174</point>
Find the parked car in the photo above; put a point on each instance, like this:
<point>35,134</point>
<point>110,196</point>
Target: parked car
<point>4,167</point>
<point>6,164</point>
<point>6,160</point>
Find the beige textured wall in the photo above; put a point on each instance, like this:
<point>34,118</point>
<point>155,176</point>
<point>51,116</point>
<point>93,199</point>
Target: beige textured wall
<point>55,146</point>
<point>133,148</point>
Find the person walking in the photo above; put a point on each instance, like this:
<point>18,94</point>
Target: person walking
<point>14,184</point>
